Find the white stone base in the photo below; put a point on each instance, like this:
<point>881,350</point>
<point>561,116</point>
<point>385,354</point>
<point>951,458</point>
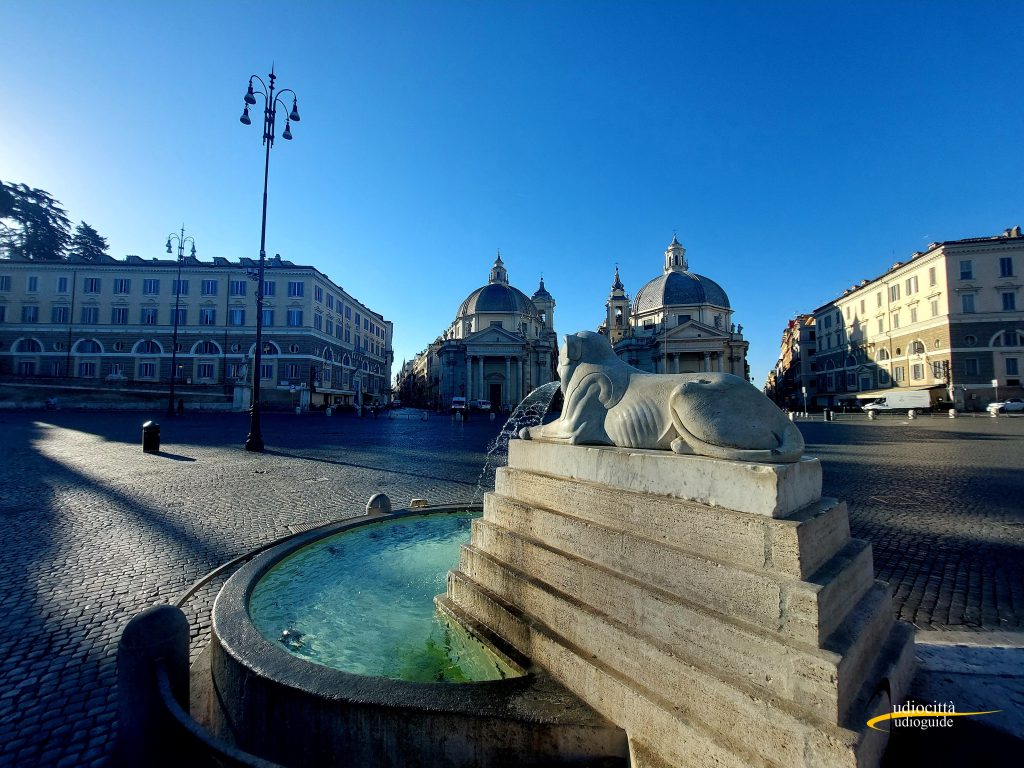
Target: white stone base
<point>717,611</point>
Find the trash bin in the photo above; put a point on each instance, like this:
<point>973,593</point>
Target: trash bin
<point>151,437</point>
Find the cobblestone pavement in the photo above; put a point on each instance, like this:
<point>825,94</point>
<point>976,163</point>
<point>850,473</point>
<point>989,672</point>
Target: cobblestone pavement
<point>96,530</point>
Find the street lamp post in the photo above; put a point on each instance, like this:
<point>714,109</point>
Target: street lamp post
<point>177,303</point>
<point>254,441</point>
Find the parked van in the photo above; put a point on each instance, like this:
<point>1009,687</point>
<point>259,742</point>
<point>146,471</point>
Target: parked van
<point>482,405</point>
<point>918,400</point>
<point>458,405</point>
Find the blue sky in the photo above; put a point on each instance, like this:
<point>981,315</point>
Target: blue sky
<point>795,147</point>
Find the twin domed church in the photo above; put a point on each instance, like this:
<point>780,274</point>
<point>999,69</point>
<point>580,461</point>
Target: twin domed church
<point>502,343</point>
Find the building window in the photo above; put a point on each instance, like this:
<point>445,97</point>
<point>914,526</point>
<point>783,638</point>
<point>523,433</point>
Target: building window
<point>268,318</point>
<point>348,335</point>
<point>895,320</point>
<point>348,313</point>
<point>208,288</point>
<point>937,372</point>
<point>86,370</point>
<point>207,316</point>
<point>148,316</point>
<point>971,366</point>
<point>60,314</point>
<point>182,316</point>
<point>179,287</point>
<point>883,354</point>
<point>291,371</point>
<point>204,371</point>
<point>147,370</point>
<point>90,315</point>
<point>207,348</point>
<point>330,327</point>
<point>236,316</point>
<point>296,288</point>
<point>5,283</point>
<point>32,284</point>
<point>931,275</point>
<point>966,270</point>
<point>151,287</point>
<point>935,307</point>
<point>1009,301</point>
<point>967,301</point>
<point>148,348</point>
<point>91,285</point>
<point>881,325</point>
<point>911,285</point>
<point>30,314</point>
<point>894,293</point>
<point>970,340</point>
<point>917,371</point>
<point>295,318</point>
<point>862,306</point>
<point>913,314</point>
<point>318,293</point>
<point>330,301</point>
<point>1012,368</point>
<point>269,288</point>
<point>878,299</point>
<point>318,322</point>
<point>266,371</point>
<point>1006,266</point>
<point>119,315</point>
<point>883,376</point>
<point>237,288</point>
<point>122,285</point>
<point>898,373</point>
<point>358,318</point>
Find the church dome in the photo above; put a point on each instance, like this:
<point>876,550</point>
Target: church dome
<point>679,288</point>
<point>497,296</point>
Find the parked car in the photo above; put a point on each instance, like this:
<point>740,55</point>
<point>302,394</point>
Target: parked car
<point>1012,405</point>
<point>482,405</point>
<point>458,405</point>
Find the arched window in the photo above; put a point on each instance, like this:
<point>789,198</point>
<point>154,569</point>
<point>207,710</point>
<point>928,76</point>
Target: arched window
<point>88,347</point>
<point>883,354</point>
<point>206,348</point>
<point>1008,339</point>
<point>346,360</point>
<point>148,347</point>
<point>851,361</point>
<point>830,366</point>
<point>269,348</point>
<point>917,347</point>
<point>28,346</point>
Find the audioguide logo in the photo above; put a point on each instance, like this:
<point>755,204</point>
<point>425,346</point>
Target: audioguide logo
<point>915,715</point>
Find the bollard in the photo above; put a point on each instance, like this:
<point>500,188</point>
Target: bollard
<point>872,415</point>
<point>151,437</point>
<point>952,413</point>
<point>147,733</point>
<point>329,411</point>
<point>379,504</point>
<point>792,416</point>
<point>911,414</point>
<point>492,416</point>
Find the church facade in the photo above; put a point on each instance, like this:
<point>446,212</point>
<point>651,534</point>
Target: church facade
<point>500,346</point>
<point>679,322</point>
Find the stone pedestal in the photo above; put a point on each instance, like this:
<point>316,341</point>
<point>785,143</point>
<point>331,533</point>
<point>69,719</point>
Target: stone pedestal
<point>717,611</point>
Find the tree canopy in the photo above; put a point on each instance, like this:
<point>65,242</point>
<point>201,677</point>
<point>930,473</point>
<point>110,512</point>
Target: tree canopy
<point>88,244</point>
<point>33,225</point>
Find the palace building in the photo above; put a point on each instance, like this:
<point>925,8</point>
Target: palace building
<point>679,322</point>
<point>113,321</point>
<point>500,346</point>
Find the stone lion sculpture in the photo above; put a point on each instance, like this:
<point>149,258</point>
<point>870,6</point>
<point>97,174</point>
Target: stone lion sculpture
<point>608,402</point>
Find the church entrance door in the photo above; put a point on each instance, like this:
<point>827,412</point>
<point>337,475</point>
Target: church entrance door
<point>495,397</point>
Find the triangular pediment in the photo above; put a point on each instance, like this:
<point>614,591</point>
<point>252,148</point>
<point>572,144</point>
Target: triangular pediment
<point>693,329</point>
<point>493,335</point>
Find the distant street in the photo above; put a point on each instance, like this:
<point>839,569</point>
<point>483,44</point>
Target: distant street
<point>96,530</point>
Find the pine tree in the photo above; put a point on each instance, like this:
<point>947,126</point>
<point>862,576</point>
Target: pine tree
<point>40,229</point>
<point>88,244</point>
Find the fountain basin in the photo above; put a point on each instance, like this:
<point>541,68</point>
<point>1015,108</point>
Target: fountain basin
<point>273,703</point>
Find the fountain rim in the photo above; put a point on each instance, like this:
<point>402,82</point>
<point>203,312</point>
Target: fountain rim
<point>233,630</point>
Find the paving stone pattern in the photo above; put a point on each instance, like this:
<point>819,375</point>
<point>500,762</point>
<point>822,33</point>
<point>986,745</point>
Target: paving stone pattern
<point>96,530</point>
